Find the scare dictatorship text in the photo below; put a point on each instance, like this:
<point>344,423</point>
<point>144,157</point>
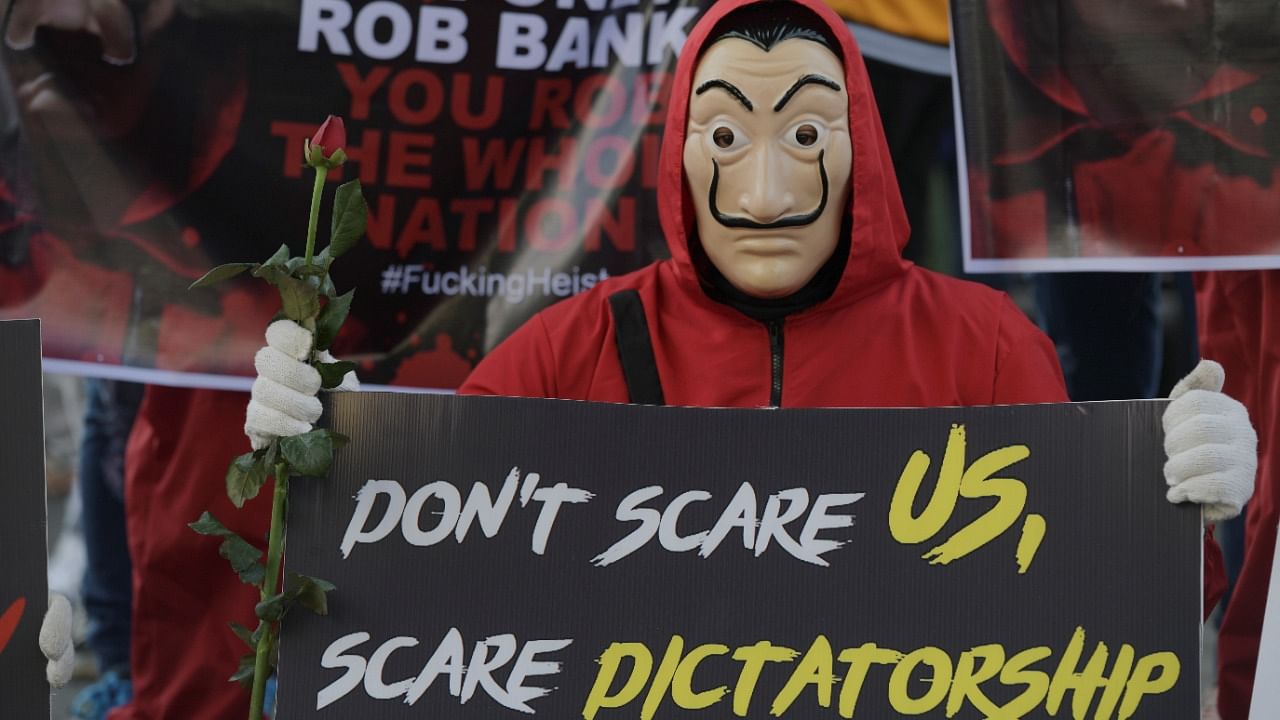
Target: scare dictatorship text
<point>954,683</point>
<point>635,679</point>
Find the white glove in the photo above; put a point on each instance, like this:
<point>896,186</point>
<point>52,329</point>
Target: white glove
<point>55,641</point>
<point>1212,447</point>
<point>284,401</point>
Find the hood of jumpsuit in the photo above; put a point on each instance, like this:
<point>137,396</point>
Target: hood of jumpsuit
<point>878,222</point>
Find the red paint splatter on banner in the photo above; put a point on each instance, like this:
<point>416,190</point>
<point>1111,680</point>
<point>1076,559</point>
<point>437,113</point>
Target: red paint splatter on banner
<point>9,621</point>
<point>438,368</point>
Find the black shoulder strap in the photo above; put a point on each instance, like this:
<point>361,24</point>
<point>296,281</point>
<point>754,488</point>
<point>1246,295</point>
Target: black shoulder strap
<point>635,349</point>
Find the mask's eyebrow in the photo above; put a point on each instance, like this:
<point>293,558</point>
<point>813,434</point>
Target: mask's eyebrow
<point>810,79</point>
<point>729,88</point>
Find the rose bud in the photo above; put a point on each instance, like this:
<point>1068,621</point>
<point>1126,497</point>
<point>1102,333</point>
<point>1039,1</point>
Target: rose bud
<point>325,147</point>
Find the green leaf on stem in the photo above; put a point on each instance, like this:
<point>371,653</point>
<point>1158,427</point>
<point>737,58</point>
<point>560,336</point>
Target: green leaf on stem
<point>273,608</point>
<point>271,273</point>
<point>331,319</point>
<point>308,591</point>
<point>322,258</point>
<point>244,673</point>
<point>350,214</point>
<point>315,269</point>
<point>311,592</point>
<point>299,268</point>
<point>245,636</point>
<point>235,549</point>
<point>278,259</point>
<point>268,454</point>
<point>244,559</point>
<point>309,453</point>
<point>322,280</point>
<point>220,273</point>
<point>209,525</point>
<point>331,374</point>
<point>245,477</point>
<point>299,300</point>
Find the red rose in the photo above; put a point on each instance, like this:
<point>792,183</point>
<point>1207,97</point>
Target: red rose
<point>331,136</point>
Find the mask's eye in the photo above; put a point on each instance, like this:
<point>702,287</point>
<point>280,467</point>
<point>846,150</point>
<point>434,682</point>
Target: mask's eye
<point>727,138</point>
<point>805,134</point>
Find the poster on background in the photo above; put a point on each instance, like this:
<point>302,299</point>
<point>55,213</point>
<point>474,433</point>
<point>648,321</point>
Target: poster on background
<point>507,152</point>
<point>1097,135</point>
<point>619,561</point>
<point>24,592</point>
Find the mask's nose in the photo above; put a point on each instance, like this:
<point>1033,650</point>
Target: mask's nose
<point>765,196</point>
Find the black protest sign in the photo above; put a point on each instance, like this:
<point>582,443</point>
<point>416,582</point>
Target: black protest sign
<point>495,557</point>
<point>24,693</point>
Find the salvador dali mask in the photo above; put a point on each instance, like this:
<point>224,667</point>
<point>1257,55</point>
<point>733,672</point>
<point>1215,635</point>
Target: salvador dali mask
<point>767,158</point>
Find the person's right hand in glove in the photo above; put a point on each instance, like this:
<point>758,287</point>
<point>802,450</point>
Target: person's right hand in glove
<point>284,401</point>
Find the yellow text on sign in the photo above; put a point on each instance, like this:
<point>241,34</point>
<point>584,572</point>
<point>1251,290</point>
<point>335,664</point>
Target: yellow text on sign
<point>955,684</point>
<point>975,481</point>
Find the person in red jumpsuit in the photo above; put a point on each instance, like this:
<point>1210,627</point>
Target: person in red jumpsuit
<point>786,286</point>
<point>1236,312</point>
<point>750,311</point>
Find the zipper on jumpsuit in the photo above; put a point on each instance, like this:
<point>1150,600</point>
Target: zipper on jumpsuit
<point>775,362</point>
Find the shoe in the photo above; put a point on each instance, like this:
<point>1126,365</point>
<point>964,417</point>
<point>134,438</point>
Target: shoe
<point>110,691</point>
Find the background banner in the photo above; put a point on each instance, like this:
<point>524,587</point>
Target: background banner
<point>143,142</point>
<point>24,593</point>
<point>1112,136</point>
<point>607,561</point>
<point>507,151</point>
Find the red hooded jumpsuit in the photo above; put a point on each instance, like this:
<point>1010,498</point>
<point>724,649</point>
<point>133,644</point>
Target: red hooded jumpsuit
<point>892,334</point>
<point>1236,312</point>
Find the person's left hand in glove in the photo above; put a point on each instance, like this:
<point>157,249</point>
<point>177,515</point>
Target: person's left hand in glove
<point>55,641</point>
<point>1211,445</point>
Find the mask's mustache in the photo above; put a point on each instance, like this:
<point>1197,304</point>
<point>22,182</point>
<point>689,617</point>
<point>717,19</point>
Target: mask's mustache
<point>786,222</point>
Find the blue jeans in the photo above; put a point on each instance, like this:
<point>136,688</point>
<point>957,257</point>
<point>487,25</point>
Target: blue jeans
<point>108,579</point>
<point>1107,330</point>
